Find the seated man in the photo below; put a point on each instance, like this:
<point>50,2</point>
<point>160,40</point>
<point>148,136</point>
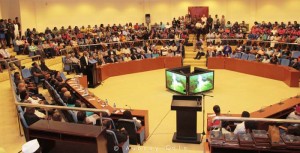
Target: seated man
<point>4,54</point>
<point>296,64</point>
<point>37,72</point>
<point>30,116</point>
<point>164,50</point>
<point>200,53</point>
<point>227,50</point>
<point>240,128</point>
<point>68,98</point>
<point>45,68</point>
<point>111,59</point>
<point>122,134</point>
<point>25,97</point>
<point>214,124</point>
<point>134,56</point>
<point>173,48</point>
<point>294,128</point>
<point>62,91</point>
<point>56,117</point>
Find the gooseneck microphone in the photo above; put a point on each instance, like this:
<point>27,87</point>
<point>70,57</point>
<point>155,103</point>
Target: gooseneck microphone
<point>129,107</point>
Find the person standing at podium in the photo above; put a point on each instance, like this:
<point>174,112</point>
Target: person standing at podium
<point>84,62</point>
<point>86,66</point>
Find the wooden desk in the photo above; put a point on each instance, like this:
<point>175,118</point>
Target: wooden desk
<point>95,102</point>
<point>52,131</point>
<point>116,69</point>
<point>277,110</point>
<point>288,75</point>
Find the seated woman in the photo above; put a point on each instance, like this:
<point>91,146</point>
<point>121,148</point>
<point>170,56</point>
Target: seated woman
<point>127,115</point>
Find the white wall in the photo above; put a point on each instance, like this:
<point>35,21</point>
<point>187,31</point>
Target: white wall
<point>43,13</point>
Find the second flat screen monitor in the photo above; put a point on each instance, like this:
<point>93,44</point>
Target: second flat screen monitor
<point>201,82</point>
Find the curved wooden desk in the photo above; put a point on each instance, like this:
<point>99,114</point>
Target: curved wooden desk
<point>288,75</point>
<point>96,102</point>
<point>116,69</point>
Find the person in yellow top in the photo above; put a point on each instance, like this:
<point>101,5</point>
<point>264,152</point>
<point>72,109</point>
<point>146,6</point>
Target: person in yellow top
<point>122,38</point>
<point>83,29</point>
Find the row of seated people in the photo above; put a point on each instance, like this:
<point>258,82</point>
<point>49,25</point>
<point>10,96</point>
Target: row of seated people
<point>97,35</point>
<point>247,126</point>
<point>65,96</point>
<point>276,32</point>
<point>51,48</point>
<point>119,53</point>
<point>28,92</point>
<point>285,56</point>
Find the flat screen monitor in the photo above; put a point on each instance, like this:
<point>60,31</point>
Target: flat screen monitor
<point>176,82</point>
<point>201,82</point>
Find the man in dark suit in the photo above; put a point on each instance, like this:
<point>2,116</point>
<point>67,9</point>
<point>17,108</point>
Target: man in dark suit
<point>86,67</point>
<point>133,50</point>
<point>30,117</point>
<point>111,51</point>
<point>147,48</point>
<point>181,50</point>
<point>111,59</point>
<point>134,56</point>
<point>68,98</point>
<point>84,62</point>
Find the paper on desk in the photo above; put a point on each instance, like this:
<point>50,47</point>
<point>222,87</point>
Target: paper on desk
<point>122,110</point>
<point>117,111</point>
<point>92,99</point>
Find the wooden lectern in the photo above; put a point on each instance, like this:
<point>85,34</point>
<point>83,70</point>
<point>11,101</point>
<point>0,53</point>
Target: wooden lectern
<point>186,118</point>
<point>93,77</point>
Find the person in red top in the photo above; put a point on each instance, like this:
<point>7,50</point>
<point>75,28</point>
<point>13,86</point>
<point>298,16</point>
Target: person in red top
<point>214,124</point>
<point>136,26</point>
<point>281,31</point>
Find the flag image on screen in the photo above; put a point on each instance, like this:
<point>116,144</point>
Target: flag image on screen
<point>176,82</point>
<point>201,82</point>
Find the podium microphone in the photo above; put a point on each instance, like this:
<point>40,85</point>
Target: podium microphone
<point>129,108</point>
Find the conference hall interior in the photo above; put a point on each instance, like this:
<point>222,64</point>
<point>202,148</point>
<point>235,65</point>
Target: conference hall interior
<point>121,76</point>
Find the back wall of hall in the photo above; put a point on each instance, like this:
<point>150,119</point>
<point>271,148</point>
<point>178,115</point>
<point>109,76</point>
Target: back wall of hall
<point>49,13</point>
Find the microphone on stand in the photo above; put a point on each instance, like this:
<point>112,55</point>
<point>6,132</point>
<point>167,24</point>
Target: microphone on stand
<point>228,113</point>
<point>280,102</point>
<point>261,109</point>
<point>129,107</point>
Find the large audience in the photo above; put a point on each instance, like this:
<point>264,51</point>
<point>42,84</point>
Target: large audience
<point>122,43</point>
